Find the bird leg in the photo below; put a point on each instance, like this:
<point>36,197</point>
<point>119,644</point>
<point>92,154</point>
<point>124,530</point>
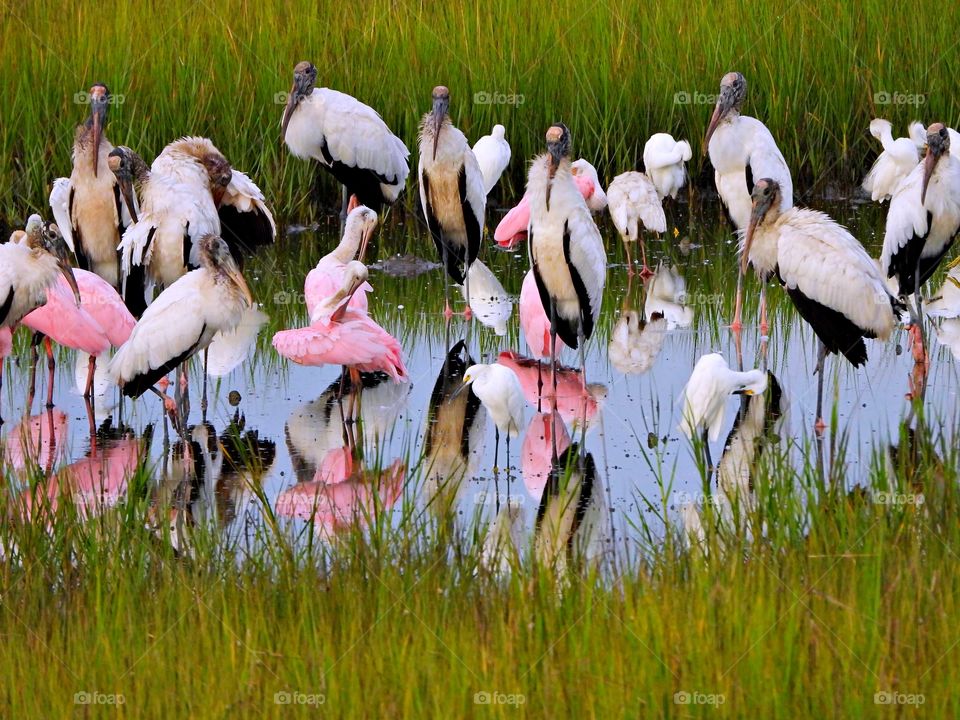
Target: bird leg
<point>468,312</point>
<point>447,311</point>
<point>708,463</point>
<point>51,367</point>
<point>91,371</point>
<point>763,310</point>
<point>345,201</point>
<point>736,325</point>
<point>919,344</point>
<point>92,424</point>
<point>2,360</point>
<point>203,396</point>
<point>626,248</point>
<point>170,407</point>
<point>539,384</point>
<point>645,272</point>
<point>553,365</point>
<point>819,425</point>
<point>496,454</point>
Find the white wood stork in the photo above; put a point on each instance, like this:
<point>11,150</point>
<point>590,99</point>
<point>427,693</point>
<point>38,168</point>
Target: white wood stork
<point>663,163</point>
<point>451,193</point>
<point>566,251</point>
<point>96,217</point>
<point>493,155</point>
<point>349,140</point>
<point>898,158</point>
<point>634,205</point>
<point>924,217</point>
<point>834,284</point>
<point>742,149</point>
<point>182,321</point>
<point>189,192</point>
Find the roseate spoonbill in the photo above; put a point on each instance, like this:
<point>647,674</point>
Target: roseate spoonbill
<point>451,194</point>
<point>327,277</point>
<point>493,155</point>
<point>347,138</point>
<point>663,163</point>
<point>566,250</point>
<point>834,284</point>
<point>705,396</point>
<point>537,452</point>
<point>499,390</point>
<point>923,219</point>
<point>341,335</point>
<point>635,206</point>
<point>182,321</point>
<point>893,164</point>
<point>575,404</point>
<point>741,150</point>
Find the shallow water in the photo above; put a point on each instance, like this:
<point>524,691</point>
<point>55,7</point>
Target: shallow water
<point>411,446</point>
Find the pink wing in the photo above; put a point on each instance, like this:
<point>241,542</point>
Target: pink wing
<point>585,185</point>
<point>6,342</point>
<point>37,439</point>
<point>66,324</point>
<point>536,456</point>
<point>533,319</point>
<point>513,228</point>
<point>104,305</point>
<point>569,402</point>
<point>324,281</point>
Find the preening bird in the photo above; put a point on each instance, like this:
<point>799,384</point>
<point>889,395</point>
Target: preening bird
<point>742,150</point>
<point>349,140</point>
<point>588,176</point>
<point>489,301</point>
<point>635,342</point>
<point>493,155</point>
<point>918,133</point>
<point>451,193</point>
<point>634,207</point>
<point>566,251</point>
<point>663,163</point>
<point>834,284</point>
<point>499,390</point>
<point>898,159</point>
<point>328,276</point>
<point>705,396</point>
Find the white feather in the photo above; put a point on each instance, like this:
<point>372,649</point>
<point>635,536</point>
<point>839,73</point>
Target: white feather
<point>60,205</point>
<point>633,199</point>
<point>706,393</point>
<point>493,156</point>
<point>663,162</point>
<point>898,158</point>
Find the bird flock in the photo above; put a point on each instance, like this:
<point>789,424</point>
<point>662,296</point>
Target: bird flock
<point>143,263</point>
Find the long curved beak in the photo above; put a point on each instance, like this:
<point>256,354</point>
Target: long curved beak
<point>241,282</point>
<point>295,97</point>
<point>747,243</point>
<point>929,163</point>
<point>364,241</point>
<point>459,390</point>
<point>70,277</point>
<point>342,305</point>
<point>439,112</point>
<point>718,113</point>
<point>98,116</point>
<point>126,189</point>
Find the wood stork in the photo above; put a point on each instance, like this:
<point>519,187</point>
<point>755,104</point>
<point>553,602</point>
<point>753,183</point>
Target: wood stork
<point>634,207</point>
<point>499,390</point>
<point>451,193</point>
<point>566,251</point>
<point>741,150</point>
<point>341,335</point>
<point>328,276</point>
<point>189,192</point>
<point>898,158</point>
<point>348,139</point>
<point>918,133</point>
<point>96,217</point>
<point>834,284</point>
<point>663,163</point>
<point>493,155</point>
<point>705,396</point>
<point>924,218</point>
<point>182,321</point>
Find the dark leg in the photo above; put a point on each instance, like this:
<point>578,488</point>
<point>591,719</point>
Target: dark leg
<point>821,359</point>
<point>626,248</point>
<point>468,312</point>
<point>447,310</point>
<point>91,371</point>
<point>51,367</point>
<point>539,384</point>
<point>496,450</point>
<point>708,467</point>
<point>1,390</point>
<point>203,396</point>
<point>345,201</point>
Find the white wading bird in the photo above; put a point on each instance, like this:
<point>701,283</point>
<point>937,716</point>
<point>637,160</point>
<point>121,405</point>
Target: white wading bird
<point>898,158</point>
<point>918,133</point>
<point>705,396</point>
<point>451,194</point>
<point>742,150</point>
<point>182,321</point>
<point>493,155</point>
<point>499,390</point>
<point>834,284</point>
<point>923,219</point>
<point>596,200</point>
<point>663,163</point>
<point>634,205</point>
<point>566,251</point>
<point>349,140</point>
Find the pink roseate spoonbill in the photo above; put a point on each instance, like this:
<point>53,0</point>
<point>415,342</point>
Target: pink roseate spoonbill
<point>705,396</point>
<point>536,327</point>
<point>569,401</point>
<point>537,452</point>
<point>499,390</point>
<point>493,155</point>
<point>37,440</point>
<point>742,149</point>
<point>566,251</point>
<point>96,217</point>
<point>663,163</point>
<point>451,194</point>
<point>327,277</point>
<point>923,221</point>
<point>182,321</point>
<point>341,335</point>
<point>513,227</point>
<point>347,138</point>
<point>834,284</point>
<point>635,206</point>
<point>893,164</point>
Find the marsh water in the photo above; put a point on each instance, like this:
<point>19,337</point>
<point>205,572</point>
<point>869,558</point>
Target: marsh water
<point>414,449</point>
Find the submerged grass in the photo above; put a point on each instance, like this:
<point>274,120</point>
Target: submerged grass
<point>615,71</point>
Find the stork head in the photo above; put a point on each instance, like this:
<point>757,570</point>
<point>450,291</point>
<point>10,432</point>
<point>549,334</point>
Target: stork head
<point>127,166</point>
<point>733,91</point>
<point>766,196</point>
<point>361,222</point>
<point>441,104</point>
<point>220,173</point>
<point>304,80</point>
<point>215,256</point>
<point>558,142</point>
<point>938,144</point>
<point>99,98</point>
<point>48,239</point>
